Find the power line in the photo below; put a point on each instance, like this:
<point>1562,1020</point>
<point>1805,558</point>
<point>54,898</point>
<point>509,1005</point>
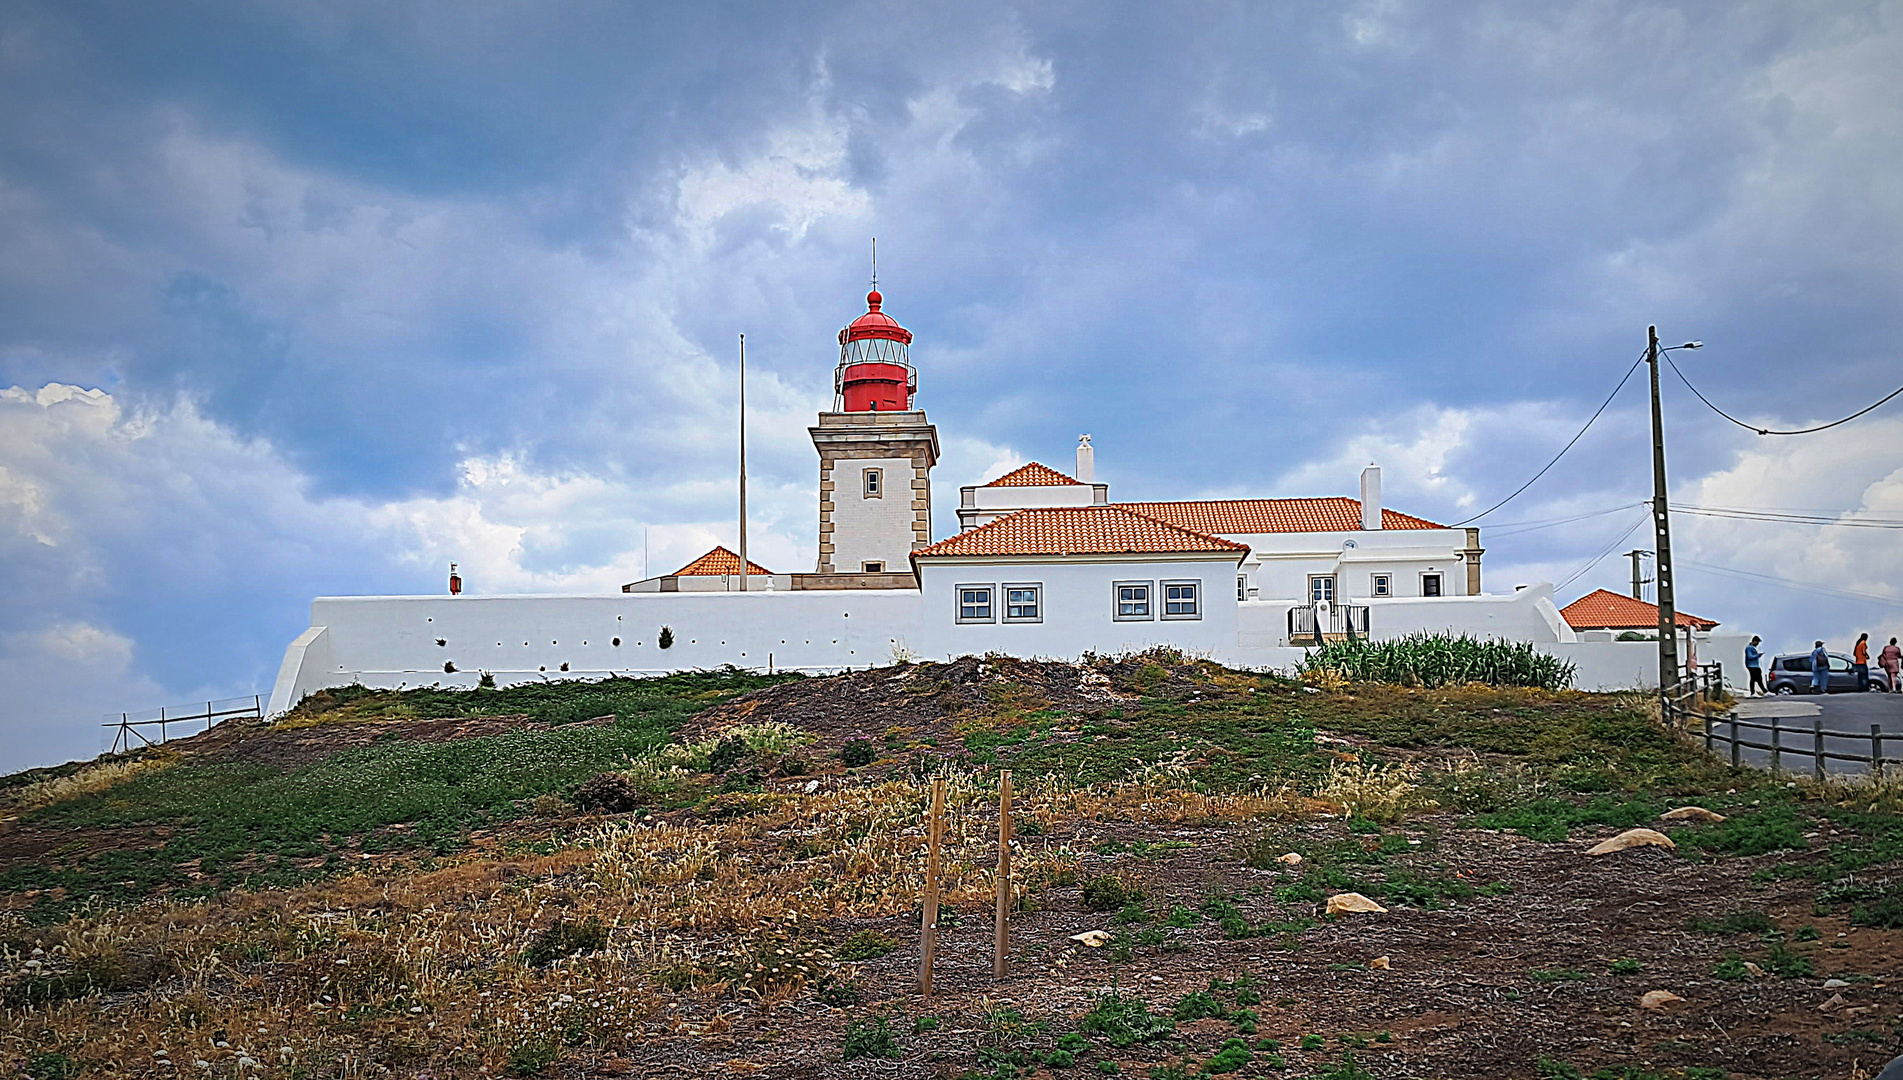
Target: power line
<point>1788,519</point>
<point>1515,528</point>
<point>1790,583</point>
<point>1768,431</point>
<point>1607,550</point>
<point>1562,450</point>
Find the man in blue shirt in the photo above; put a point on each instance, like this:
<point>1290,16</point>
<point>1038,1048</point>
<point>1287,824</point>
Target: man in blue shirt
<point>1753,663</point>
<point>1819,670</point>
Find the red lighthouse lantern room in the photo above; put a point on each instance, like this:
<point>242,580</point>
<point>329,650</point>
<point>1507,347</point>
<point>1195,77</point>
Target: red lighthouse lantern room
<point>874,373</point>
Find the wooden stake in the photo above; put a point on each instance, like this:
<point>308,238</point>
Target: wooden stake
<point>1002,943</point>
<point>928,923</point>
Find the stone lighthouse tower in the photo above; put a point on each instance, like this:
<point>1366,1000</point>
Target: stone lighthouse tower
<point>875,452</point>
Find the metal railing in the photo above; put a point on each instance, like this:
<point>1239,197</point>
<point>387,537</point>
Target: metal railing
<point>129,724</point>
<point>1349,620</point>
<point>1816,751</point>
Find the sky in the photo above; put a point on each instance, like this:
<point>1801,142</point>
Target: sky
<point>304,298</point>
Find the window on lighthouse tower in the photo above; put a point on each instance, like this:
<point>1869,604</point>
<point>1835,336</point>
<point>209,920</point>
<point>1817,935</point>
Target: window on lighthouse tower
<point>874,478</point>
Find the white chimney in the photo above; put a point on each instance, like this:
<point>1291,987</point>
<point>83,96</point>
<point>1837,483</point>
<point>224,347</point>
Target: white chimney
<point>1371,497</point>
<point>1086,460</point>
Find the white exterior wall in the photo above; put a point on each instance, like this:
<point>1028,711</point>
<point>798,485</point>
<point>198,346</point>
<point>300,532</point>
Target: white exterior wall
<point>389,641</point>
<point>1079,607</point>
<point>1526,615</point>
<point>984,505</point>
<point>877,529</point>
<point>1280,563</point>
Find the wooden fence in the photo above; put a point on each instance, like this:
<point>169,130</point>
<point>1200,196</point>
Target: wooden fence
<point>128,725</point>
<point>1801,741</point>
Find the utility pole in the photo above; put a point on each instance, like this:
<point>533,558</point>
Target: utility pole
<point>743,459</point>
<point>1638,575</point>
<point>1662,540</point>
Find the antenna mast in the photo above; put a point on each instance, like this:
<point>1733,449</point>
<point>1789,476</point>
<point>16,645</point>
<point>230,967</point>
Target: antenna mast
<point>875,262</point>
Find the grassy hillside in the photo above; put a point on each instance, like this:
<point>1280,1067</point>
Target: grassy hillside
<point>720,874</point>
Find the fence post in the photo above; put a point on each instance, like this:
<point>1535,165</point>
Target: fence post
<point>1002,943</point>
<point>1777,746</point>
<point>162,735</point>
<point>1817,747</point>
<point>1707,734</point>
<point>1876,749</point>
<point>1734,740</point>
<point>928,920</point>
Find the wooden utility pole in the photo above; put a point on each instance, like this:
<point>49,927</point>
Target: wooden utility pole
<point>928,920</point>
<point>1662,540</point>
<point>743,463</point>
<point>1002,943</point>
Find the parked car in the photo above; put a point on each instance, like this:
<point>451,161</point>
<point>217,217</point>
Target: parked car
<point>1791,675</point>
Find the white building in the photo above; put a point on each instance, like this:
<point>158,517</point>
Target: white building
<point>1044,564</point>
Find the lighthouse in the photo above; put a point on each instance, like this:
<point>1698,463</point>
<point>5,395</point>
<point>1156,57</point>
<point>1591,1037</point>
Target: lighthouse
<point>876,454</point>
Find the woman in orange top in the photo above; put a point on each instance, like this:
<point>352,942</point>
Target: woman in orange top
<point>1860,663</point>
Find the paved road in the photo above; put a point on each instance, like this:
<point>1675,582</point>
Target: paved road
<point>1846,720</point>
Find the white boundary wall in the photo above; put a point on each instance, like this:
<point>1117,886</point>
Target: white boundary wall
<point>391,641</point>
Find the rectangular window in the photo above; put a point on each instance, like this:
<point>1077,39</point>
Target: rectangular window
<point>1430,584</point>
<point>1321,587</point>
<point>875,480</point>
<point>1182,600</point>
<point>1023,603</point>
<point>1242,586</point>
<point>1381,586</point>
<point>974,604</point>
<point>874,568</point>
<point>1133,600</point>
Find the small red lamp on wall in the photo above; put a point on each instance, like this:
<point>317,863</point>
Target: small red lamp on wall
<point>455,581</point>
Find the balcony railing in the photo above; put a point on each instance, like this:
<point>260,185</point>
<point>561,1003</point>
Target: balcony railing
<point>1313,624</point>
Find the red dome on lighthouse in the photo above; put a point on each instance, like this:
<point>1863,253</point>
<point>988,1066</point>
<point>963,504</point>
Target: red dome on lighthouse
<point>874,374</point>
<point>875,324</point>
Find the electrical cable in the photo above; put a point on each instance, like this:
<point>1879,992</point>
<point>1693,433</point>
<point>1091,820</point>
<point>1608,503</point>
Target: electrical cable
<point>1515,528</point>
<point>1607,550</point>
<point>1789,519</point>
<point>1562,450</point>
<point>1817,588</point>
<point>1667,353</point>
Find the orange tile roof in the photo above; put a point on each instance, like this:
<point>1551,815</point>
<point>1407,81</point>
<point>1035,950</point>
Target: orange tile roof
<point>1605,610</point>
<point>1233,516</point>
<point>1034,474</point>
<point>718,562</point>
<point>1077,530</point>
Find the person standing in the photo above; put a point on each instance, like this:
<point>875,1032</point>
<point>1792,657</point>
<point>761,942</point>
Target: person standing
<point>1860,663</point>
<point>1754,663</point>
<point>1891,660</point>
<point>1819,670</point>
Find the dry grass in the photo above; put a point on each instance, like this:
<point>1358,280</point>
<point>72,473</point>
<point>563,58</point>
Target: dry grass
<point>1373,791</point>
<point>92,778</point>
<point>429,970</point>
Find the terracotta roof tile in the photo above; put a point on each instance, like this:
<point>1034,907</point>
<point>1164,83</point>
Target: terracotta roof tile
<point>718,562</point>
<point>1233,516</point>
<point>1602,609</point>
<point>1077,530</point>
<point>1034,474</point>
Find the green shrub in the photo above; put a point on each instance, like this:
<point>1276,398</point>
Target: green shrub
<point>531,1057</point>
<point>1123,1021</point>
<point>728,753</point>
<point>1198,1005</point>
<point>1627,966</point>
<point>1107,892</point>
<point>564,939</point>
<point>866,945</point>
<point>1233,1055</point>
<point>871,1039</point>
<point>1434,660</point>
<point>1785,964</point>
<point>858,753</point>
